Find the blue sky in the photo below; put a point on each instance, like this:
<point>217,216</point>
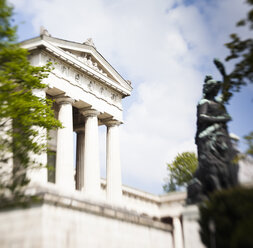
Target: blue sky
<point>165,47</point>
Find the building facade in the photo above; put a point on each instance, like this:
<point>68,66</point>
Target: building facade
<point>78,208</point>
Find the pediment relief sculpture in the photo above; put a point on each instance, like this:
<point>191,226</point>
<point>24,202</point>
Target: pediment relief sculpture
<point>89,61</point>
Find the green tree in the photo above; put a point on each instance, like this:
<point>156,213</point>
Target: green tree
<point>22,114</point>
<point>249,141</point>
<point>225,222</point>
<point>180,171</point>
<point>241,51</point>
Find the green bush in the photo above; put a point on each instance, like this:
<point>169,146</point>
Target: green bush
<point>231,212</point>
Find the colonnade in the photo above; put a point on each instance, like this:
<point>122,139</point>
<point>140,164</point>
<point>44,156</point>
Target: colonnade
<point>87,159</point>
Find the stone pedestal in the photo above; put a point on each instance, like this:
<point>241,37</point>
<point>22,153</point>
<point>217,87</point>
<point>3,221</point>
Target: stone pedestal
<point>65,150</point>
<point>191,227</point>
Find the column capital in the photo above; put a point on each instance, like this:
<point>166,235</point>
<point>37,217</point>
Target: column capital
<point>64,99</point>
<point>89,112</point>
<point>112,122</point>
<point>79,129</point>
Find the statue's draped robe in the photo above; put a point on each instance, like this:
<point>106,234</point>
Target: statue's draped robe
<point>216,154</point>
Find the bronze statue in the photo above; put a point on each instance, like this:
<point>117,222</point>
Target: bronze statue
<point>216,155</point>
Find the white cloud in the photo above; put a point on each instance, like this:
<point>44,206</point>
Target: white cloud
<point>164,51</point>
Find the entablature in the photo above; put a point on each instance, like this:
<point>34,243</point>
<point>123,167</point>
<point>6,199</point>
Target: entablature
<point>78,78</point>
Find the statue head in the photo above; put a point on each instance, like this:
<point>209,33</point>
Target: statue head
<point>207,78</point>
<point>211,86</point>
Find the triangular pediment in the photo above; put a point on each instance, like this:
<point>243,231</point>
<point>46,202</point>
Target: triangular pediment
<point>83,56</point>
<point>88,59</point>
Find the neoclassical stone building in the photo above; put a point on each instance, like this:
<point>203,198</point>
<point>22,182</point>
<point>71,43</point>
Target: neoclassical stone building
<point>88,92</point>
<point>79,209</point>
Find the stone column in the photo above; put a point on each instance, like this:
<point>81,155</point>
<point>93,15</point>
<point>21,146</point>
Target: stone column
<point>39,175</point>
<point>177,233</point>
<point>91,176</point>
<point>80,159</point>
<point>65,149</point>
<point>113,168</point>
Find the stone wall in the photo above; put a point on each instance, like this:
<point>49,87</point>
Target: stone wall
<point>64,221</point>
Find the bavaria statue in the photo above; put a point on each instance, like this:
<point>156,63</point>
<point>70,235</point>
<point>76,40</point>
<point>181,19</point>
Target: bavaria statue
<point>217,168</point>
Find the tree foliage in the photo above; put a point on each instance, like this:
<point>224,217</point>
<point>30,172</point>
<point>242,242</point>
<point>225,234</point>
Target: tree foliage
<point>249,141</point>
<point>181,171</point>
<point>241,51</point>
<point>22,114</point>
<point>230,212</point>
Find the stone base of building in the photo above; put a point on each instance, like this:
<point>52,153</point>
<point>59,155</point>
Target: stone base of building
<point>190,217</point>
<point>64,221</point>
